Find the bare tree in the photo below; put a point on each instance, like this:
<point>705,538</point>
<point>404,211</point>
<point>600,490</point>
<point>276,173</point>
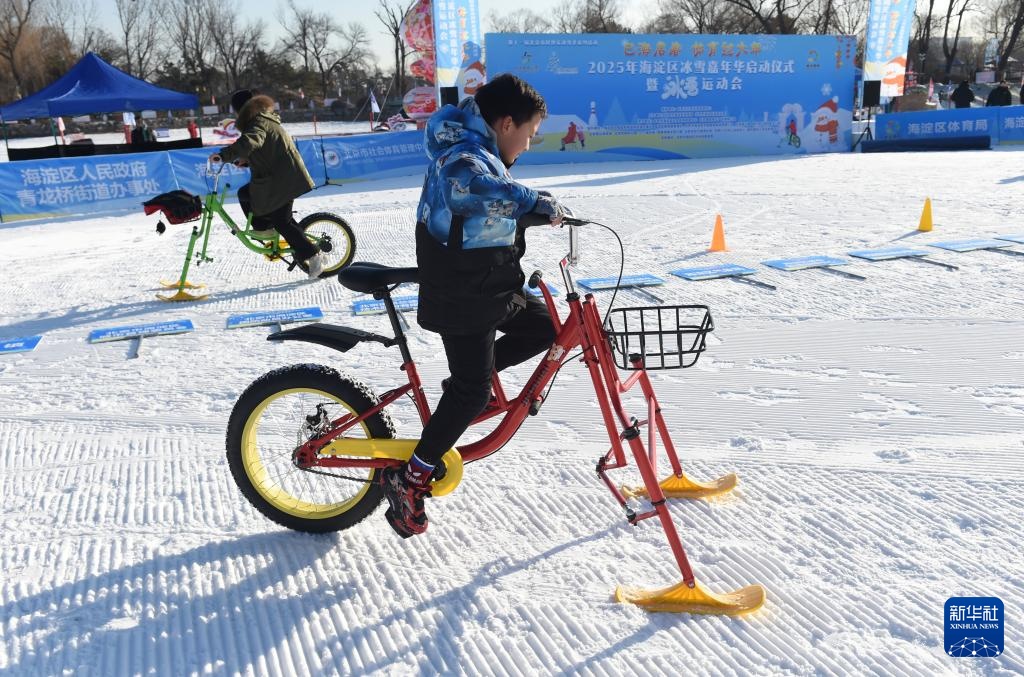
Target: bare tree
<point>824,17</point>
<point>77,19</point>
<point>322,45</point>
<point>15,19</point>
<point>850,18</point>
<point>954,12</point>
<point>1005,23</point>
<point>924,23</point>
<point>141,30</point>
<point>352,53</point>
<point>699,16</point>
<point>566,17</point>
<point>235,44</point>
<point>298,28</point>
<point>191,32</point>
<point>391,16</point>
<point>777,16</point>
<point>519,21</point>
<point>588,16</point>
<point>603,16</point>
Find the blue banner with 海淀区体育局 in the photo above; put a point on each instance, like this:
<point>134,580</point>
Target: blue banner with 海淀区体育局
<point>96,184</point>
<point>373,156</point>
<point>1004,124</point>
<point>627,97</point>
<point>1010,124</point>
<point>885,50</point>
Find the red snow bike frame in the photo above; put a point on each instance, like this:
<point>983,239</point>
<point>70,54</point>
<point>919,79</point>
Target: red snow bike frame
<point>662,337</point>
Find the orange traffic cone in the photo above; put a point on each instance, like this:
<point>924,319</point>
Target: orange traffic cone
<point>925,224</point>
<point>718,238</point>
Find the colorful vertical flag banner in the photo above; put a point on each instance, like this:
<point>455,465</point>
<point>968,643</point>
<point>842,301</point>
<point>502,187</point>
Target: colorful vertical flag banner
<point>458,45</point>
<point>888,35</point>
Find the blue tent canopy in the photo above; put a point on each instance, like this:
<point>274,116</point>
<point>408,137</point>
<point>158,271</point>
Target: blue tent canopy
<point>94,86</point>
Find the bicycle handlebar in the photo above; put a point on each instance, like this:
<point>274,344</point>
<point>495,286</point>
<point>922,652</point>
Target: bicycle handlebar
<point>209,166</point>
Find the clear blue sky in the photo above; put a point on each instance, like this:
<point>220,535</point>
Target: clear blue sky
<point>362,11</point>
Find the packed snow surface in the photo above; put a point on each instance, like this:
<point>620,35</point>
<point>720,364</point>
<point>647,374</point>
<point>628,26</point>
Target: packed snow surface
<point>875,427</point>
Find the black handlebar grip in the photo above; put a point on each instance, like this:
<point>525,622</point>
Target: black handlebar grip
<point>534,280</point>
<point>572,221</point>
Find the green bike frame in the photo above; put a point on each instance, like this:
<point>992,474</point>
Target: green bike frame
<point>213,205</point>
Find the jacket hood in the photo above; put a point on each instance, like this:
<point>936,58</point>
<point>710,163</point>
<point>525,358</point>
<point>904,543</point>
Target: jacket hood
<point>253,108</point>
<point>458,124</point>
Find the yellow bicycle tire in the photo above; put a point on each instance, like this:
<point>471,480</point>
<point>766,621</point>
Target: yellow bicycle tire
<point>343,240</point>
<point>274,494</point>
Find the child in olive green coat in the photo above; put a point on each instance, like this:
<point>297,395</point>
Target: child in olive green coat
<point>278,174</point>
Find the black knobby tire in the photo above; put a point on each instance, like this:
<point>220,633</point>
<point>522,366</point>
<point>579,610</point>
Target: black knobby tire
<point>274,495</point>
<point>343,240</point>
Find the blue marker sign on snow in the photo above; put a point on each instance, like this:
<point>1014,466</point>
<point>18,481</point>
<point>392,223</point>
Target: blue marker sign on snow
<point>805,262</point>
<point>141,330</point>
<point>713,272</point>
<point>275,317</point>
<point>537,292</point>
<point>971,245</point>
<point>375,307</point>
<point>19,345</point>
<point>644,280</point>
<point>1019,239</point>
<point>889,253</point>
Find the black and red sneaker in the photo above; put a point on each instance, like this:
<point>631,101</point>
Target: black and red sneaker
<point>405,497</point>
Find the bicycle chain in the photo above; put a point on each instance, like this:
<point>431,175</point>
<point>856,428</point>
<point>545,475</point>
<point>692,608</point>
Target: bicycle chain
<point>339,477</point>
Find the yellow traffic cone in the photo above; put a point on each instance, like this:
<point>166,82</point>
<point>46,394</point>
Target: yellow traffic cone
<point>718,237</point>
<point>926,216</point>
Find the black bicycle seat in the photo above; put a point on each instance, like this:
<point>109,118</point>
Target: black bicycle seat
<point>367,278</point>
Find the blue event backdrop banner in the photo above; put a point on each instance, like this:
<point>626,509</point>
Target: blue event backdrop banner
<point>1005,124</point>
<point>627,97</point>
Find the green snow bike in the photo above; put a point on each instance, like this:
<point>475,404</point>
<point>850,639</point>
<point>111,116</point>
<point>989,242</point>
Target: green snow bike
<point>330,233</point>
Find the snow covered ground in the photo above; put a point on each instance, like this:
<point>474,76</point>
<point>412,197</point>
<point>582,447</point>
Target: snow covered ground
<point>875,427</point>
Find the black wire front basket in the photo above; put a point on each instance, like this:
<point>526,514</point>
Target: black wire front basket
<point>658,337</point>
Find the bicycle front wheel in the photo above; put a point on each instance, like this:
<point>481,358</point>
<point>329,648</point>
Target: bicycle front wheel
<point>333,238</point>
<point>277,413</point>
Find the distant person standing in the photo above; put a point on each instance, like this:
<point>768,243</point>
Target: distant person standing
<point>139,134</point>
<point>963,95</point>
<point>193,129</point>
<point>1000,96</point>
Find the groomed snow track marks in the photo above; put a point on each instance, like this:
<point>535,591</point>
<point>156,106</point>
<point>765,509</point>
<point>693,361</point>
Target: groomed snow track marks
<point>874,427</point>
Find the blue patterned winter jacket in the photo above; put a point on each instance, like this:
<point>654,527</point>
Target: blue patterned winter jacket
<point>468,243</point>
<point>467,178</point>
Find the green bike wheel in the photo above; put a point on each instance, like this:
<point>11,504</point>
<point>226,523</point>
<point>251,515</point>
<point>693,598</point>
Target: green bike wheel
<point>333,237</point>
<point>277,413</point>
